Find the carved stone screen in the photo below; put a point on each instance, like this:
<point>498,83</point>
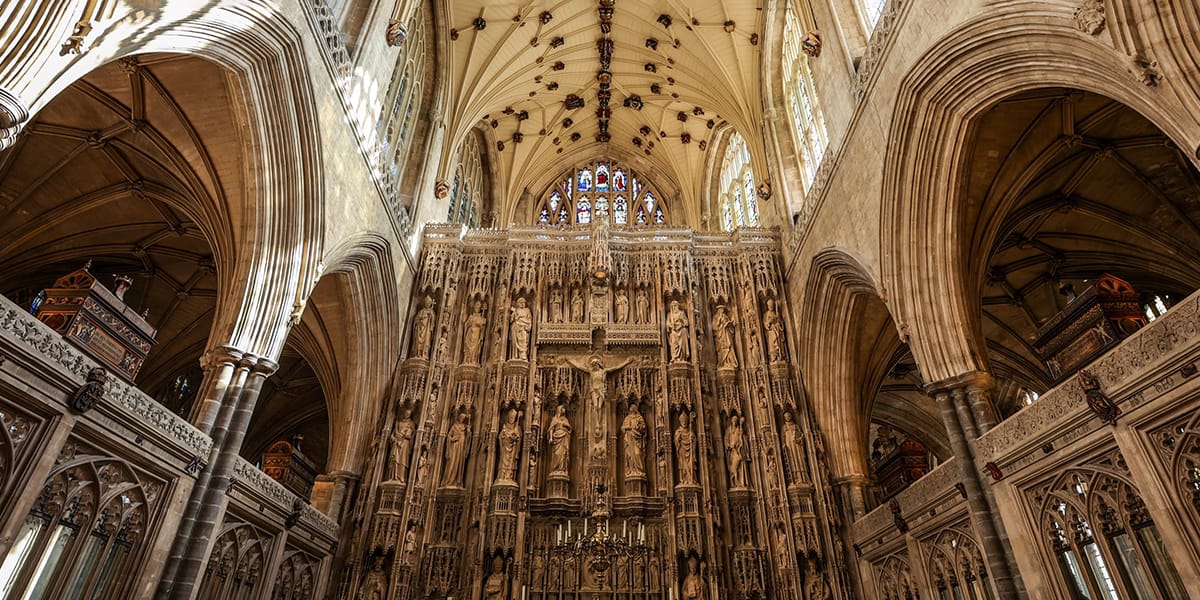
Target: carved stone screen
<point>639,375</point>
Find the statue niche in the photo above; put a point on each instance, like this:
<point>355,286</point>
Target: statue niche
<point>633,445</point>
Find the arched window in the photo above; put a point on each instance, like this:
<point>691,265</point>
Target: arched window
<point>872,10</point>
<point>402,107</point>
<point>800,95</point>
<point>739,204</point>
<point>601,191</point>
<point>466,191</point>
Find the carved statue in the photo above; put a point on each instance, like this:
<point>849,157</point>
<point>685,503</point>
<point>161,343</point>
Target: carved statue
<point>559,434</point>
<point>677,333</point>
<point>556,306</point>
<point>410,545</point>
<point>735,441</point>
<point>495,587</point>
<point>576,306</point>
<point>773,324</point>
<point>375,586</point>
<point>655,572</point>
<point>510,447</point>
<point>423,329</point>
<point>402,440</point>
<point>598,372</point>
<point>694,587</point>
<point>522,322</point>
<point>642,305</point>
<point>723,328</point>
<point>456,451</point>
<point>423,466</point>
<point>473,339</point>
<point>816,586</point>
<point>685,450</point>
<point>622,302</point>
<point>793,449</point>
<point>633,430</point>
<point>539,571</point>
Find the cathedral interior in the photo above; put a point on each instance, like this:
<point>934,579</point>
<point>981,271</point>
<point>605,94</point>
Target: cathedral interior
<point>600,299</point>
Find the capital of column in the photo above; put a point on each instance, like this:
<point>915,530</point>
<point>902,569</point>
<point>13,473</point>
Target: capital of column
<point>220,355</point>
<point>970,382</point>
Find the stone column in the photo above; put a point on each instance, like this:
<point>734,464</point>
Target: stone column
<point>852,489</point>
<point>951,397</point>
<point>213,497</point>
<point>212,416</point>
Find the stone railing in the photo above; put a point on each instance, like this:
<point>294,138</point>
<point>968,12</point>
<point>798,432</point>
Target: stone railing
<point>933,494</point>
<point>1019,439</point>
<point>119,397</point>
<point>877,46</point>
<point>333,41</point>
<point>264,488</point>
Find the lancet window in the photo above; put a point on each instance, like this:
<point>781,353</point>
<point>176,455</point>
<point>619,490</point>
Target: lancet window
<point>800,95</point>
<point>739,204</point>
<point>1103,539</point>
<point>602,191</point>
<point>402,106</point>
<point>468,186</point>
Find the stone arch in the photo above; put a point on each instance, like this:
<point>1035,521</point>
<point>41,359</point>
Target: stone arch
<point>841,312</point>
<point>957,80</point>
<point>283,179</point>
<point>345,340</point>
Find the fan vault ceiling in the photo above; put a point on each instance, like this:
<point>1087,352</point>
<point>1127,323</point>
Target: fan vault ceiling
<point>533,76</point>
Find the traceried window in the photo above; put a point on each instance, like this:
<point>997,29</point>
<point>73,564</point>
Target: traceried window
<point>601,191</point>
<point>738,202</point>
<point>800,95</point>
<point>1103,539</point>
<point>467,187</point>
<point>872,10</point>
<point>402,107</point>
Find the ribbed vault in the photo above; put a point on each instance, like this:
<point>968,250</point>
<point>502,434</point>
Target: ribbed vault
<point>677,71</point>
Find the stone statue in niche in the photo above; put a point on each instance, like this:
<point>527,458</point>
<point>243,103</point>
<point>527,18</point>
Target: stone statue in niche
<point>423,466</point>
<point>577,306</point>
<point>559,435</point>
<point>723,328</point>
<point>677,333</point>
<point>410,545</point>
<point>510,447</point>
<point>793,449</point>
<point>694,587</point>
<point>423,329</point>
<point>685,450</point>
<point>375,586</point>
<point>539,571</point>
<point>735,442</point>
<point>496,585</point>
<point>655,572</point>
<point>456,450</point>
<point>773,324</point>
<point>622,303</point>
<point>556,306</point>
<point>537,406</point>
<point>642,306</point>
<point>816,587</point>
<point>781,546</point>
<point>522,322</point>
<point>402,440</point>
<point>473,338</point>
<point>633,432</point>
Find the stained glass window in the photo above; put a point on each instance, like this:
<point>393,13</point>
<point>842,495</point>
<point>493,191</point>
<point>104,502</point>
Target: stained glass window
<point>601,191</point>
<point>583,212</point>
<point>739,203</point>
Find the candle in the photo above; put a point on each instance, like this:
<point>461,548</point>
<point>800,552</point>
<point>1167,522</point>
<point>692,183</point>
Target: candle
<point>558,533</point>
<point>623,525</point>
<point>568,530</point>
<point>522,592</point>
<point>585,527</point>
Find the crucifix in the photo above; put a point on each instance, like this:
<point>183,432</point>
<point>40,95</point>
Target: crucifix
<point>596,368</point>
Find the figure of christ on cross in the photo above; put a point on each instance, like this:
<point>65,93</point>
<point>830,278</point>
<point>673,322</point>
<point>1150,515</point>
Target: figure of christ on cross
<point>594,365</point>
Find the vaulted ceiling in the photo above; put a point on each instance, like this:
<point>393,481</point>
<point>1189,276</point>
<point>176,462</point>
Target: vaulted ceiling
<point>531,75</point>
